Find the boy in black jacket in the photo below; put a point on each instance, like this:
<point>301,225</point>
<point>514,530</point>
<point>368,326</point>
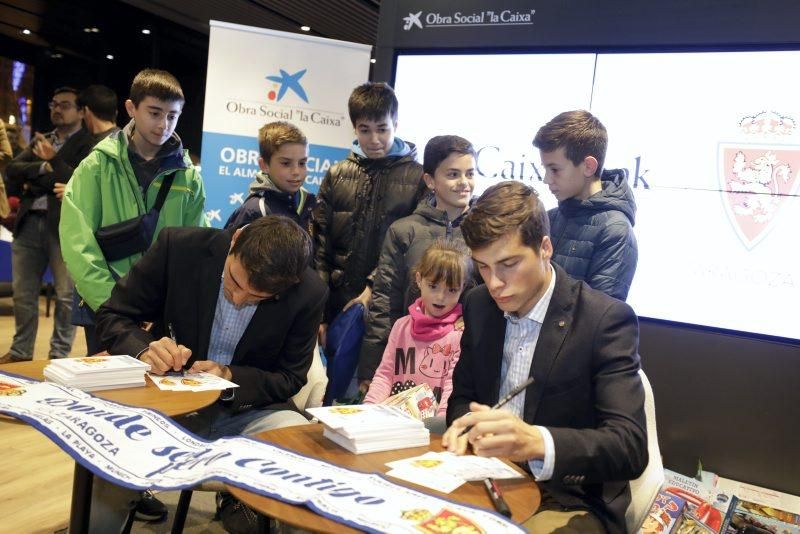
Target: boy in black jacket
<point>379,182</point>
<point>278,186</point>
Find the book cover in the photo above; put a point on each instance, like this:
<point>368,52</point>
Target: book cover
<point>744,520</point>
<point>419,402</point>
<point>772,503</point>
<point>665,514</point>
<point>706,506</point>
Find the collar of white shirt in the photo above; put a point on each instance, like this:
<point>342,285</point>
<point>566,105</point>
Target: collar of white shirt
<point>539,310</point>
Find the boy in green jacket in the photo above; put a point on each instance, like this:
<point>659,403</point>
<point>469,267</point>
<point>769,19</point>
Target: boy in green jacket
<point>119,181</point>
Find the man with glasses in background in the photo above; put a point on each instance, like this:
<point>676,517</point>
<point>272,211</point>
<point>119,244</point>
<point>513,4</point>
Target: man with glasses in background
<point>32,176</point>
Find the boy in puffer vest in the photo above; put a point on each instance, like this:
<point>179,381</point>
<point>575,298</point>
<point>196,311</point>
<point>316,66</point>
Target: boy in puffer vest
<point>592,227</point>
<point>379,182</point>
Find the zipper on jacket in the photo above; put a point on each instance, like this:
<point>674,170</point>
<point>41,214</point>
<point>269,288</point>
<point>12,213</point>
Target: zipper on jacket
<point>160,176</point>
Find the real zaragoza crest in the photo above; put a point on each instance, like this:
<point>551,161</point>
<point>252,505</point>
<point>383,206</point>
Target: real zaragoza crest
<point>759,174</point>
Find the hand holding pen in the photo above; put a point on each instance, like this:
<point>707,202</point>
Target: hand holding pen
<point>494,432</point>
<point>199,366</point>
<point>166,354</point>
<point>502,402</point>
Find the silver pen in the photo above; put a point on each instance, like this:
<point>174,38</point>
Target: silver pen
<point>513,393</point>
<point>172,333</point>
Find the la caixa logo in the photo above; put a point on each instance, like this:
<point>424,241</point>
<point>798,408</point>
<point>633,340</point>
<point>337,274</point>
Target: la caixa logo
<point>284,83</point>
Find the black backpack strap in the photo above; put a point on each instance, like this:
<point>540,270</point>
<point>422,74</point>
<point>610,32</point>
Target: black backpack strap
<point>163,190</point>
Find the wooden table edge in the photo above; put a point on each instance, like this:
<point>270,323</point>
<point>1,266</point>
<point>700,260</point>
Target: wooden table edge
<point>169,403</point>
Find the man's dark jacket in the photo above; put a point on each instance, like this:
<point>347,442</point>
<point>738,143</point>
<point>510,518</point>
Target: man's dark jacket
<point>25,182</point>
<point>587,391</point>
<point>357,202</point>
<point>177,282</point>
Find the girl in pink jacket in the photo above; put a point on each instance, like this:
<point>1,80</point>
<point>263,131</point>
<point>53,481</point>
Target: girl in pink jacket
<point>424,345</point>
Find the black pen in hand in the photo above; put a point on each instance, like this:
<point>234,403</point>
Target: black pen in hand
<point>174,338</point>
<point>502,402</point>
<point>499,502</point>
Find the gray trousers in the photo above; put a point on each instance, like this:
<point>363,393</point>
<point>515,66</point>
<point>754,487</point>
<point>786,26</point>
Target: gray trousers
<point>33,249</point>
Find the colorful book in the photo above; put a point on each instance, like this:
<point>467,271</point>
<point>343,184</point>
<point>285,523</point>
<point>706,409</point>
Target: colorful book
<point>746,518</point>
<point>665,514</point>
<point>419,402</point>
<point>706,507</point>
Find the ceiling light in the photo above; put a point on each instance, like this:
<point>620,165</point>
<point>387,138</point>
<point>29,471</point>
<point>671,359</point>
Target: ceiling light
<point>146,31</point>
<point>109,56</point>
<point>305,28</point>
<point>373,60</point>
<point>26,31</point>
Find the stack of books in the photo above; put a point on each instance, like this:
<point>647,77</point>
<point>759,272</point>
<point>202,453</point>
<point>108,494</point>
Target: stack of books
<point>371,427</point>
<point>97,372</point>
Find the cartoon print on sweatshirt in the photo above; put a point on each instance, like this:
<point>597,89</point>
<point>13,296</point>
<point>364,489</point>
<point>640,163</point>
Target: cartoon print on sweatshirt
<point>436,360</point>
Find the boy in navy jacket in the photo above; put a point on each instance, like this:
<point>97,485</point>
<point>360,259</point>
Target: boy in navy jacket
<point>278,186</point>
<point>592,227</point>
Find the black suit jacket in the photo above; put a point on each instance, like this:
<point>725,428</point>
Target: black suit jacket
<point>177,282</point>
<point>587,391</point>
<point>25,182</point>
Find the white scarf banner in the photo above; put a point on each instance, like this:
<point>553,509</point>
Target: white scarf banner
<point>256,76</point>
<point>139,448</point>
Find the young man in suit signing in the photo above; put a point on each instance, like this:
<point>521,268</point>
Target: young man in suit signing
<point>243,305</point>
<point>580,428</point>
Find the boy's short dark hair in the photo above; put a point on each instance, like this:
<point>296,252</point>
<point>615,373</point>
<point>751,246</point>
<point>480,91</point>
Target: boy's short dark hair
<point>68,89</point>
<point>503,208</point>
<point>101,100</point>
<point>439,149</point>
<point>372,101</point>
<point>274,251</point>
<point>159,84</point>
<point>274,135</point>
<point>579,132</point>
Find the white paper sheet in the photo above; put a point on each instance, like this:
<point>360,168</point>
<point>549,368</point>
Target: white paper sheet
<point>191,382</point>
<point>463,467</point>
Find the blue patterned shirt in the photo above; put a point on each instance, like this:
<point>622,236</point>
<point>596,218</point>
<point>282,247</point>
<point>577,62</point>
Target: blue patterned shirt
<point>522,334</point>
<point>229,325</point>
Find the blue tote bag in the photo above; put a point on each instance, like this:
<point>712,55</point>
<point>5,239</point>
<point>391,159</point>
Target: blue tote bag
<point>343,347</point>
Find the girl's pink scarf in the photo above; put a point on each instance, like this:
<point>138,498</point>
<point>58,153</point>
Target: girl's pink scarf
<point>427,328</point>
